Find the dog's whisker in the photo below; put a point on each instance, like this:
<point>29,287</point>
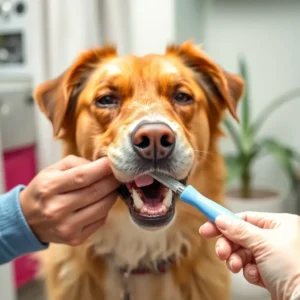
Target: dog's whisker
<point>203,151</point>
<point>202,154</point>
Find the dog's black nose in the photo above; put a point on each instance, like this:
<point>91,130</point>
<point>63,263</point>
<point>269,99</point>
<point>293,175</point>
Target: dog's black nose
<point>153,141</point>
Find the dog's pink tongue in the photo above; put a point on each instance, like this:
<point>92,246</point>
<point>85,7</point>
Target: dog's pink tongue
<point>143,180</point>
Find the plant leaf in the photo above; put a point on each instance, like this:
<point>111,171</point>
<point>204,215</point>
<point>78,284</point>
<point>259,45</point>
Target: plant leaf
<point>284,157</point>
<point>234,167</point>
<point>245,101</point>
<point>268,110</point>
<point>246,138</point>
<point>233,132</point>
<point>295,155</point>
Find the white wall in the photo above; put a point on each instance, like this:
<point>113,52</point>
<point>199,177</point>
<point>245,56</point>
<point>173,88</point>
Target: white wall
<point>7,289</point>
<point>267,32</point>
<point>152,25</point>
<point>191,20</point>
<point>115,24</point>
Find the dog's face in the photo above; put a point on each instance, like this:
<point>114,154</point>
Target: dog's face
<point>152,113</point>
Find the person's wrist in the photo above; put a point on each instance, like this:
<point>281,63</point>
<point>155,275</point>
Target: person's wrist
<point>27,213</point>
<point>23,204</point>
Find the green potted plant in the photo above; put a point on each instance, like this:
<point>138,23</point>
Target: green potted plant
<point>250,147</point>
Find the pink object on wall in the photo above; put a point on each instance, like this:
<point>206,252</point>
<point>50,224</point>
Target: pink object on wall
<point>20,168</point>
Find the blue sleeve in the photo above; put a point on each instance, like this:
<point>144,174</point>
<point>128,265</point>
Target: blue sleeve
<point>16,237</point>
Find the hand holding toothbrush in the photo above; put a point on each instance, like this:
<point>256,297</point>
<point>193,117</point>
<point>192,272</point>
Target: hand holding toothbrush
<point>266,246</point>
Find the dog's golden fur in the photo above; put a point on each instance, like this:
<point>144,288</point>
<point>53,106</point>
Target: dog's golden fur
<point>92,271</point>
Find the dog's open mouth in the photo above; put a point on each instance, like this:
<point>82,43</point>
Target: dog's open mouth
<point>151,204</point>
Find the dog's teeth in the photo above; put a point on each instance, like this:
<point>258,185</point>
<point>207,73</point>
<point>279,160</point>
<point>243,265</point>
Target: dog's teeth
<point>137,201</point>
<point>144,210</point>
<point>168,199</point>
<point>163,209</point>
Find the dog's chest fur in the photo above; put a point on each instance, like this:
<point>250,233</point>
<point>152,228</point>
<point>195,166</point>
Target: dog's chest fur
<point>128,246</point>
<point>123,244</point>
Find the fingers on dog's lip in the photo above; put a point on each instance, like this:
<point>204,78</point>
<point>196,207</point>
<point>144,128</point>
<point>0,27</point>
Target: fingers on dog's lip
<point>209,230</point>
<point>69,162</point>
<point>82,176</point>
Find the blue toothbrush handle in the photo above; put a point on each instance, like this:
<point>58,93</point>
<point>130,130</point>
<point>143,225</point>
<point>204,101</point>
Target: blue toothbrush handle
<point>208,207</point>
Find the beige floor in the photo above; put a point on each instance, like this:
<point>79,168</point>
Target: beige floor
<point>32,291</point>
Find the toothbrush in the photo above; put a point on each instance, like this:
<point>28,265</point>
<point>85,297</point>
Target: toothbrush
<point>190,195</point>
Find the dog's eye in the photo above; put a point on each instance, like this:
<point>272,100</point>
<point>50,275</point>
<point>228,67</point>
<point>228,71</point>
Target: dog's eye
<point>106,101</point>
<point>183,98</point>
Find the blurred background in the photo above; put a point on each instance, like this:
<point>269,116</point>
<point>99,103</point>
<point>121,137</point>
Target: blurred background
<point>259,39</point>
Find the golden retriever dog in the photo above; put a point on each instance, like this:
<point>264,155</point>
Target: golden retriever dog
<point>152,113</point>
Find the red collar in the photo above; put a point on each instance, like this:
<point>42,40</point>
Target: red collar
<point>162,267</point>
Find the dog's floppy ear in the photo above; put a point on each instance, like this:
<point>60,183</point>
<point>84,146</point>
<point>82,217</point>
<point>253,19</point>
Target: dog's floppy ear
<point>216,82</point>
<point>54,96</point>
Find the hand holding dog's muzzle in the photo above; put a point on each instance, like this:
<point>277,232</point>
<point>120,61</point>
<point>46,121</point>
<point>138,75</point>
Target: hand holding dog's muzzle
<point>70,200</point>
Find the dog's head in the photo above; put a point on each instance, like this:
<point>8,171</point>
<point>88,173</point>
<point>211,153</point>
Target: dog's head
<point>151,113</point>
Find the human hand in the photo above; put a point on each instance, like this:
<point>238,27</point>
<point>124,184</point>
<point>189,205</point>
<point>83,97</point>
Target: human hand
<point>70,200</point>
<point>266,246</point>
